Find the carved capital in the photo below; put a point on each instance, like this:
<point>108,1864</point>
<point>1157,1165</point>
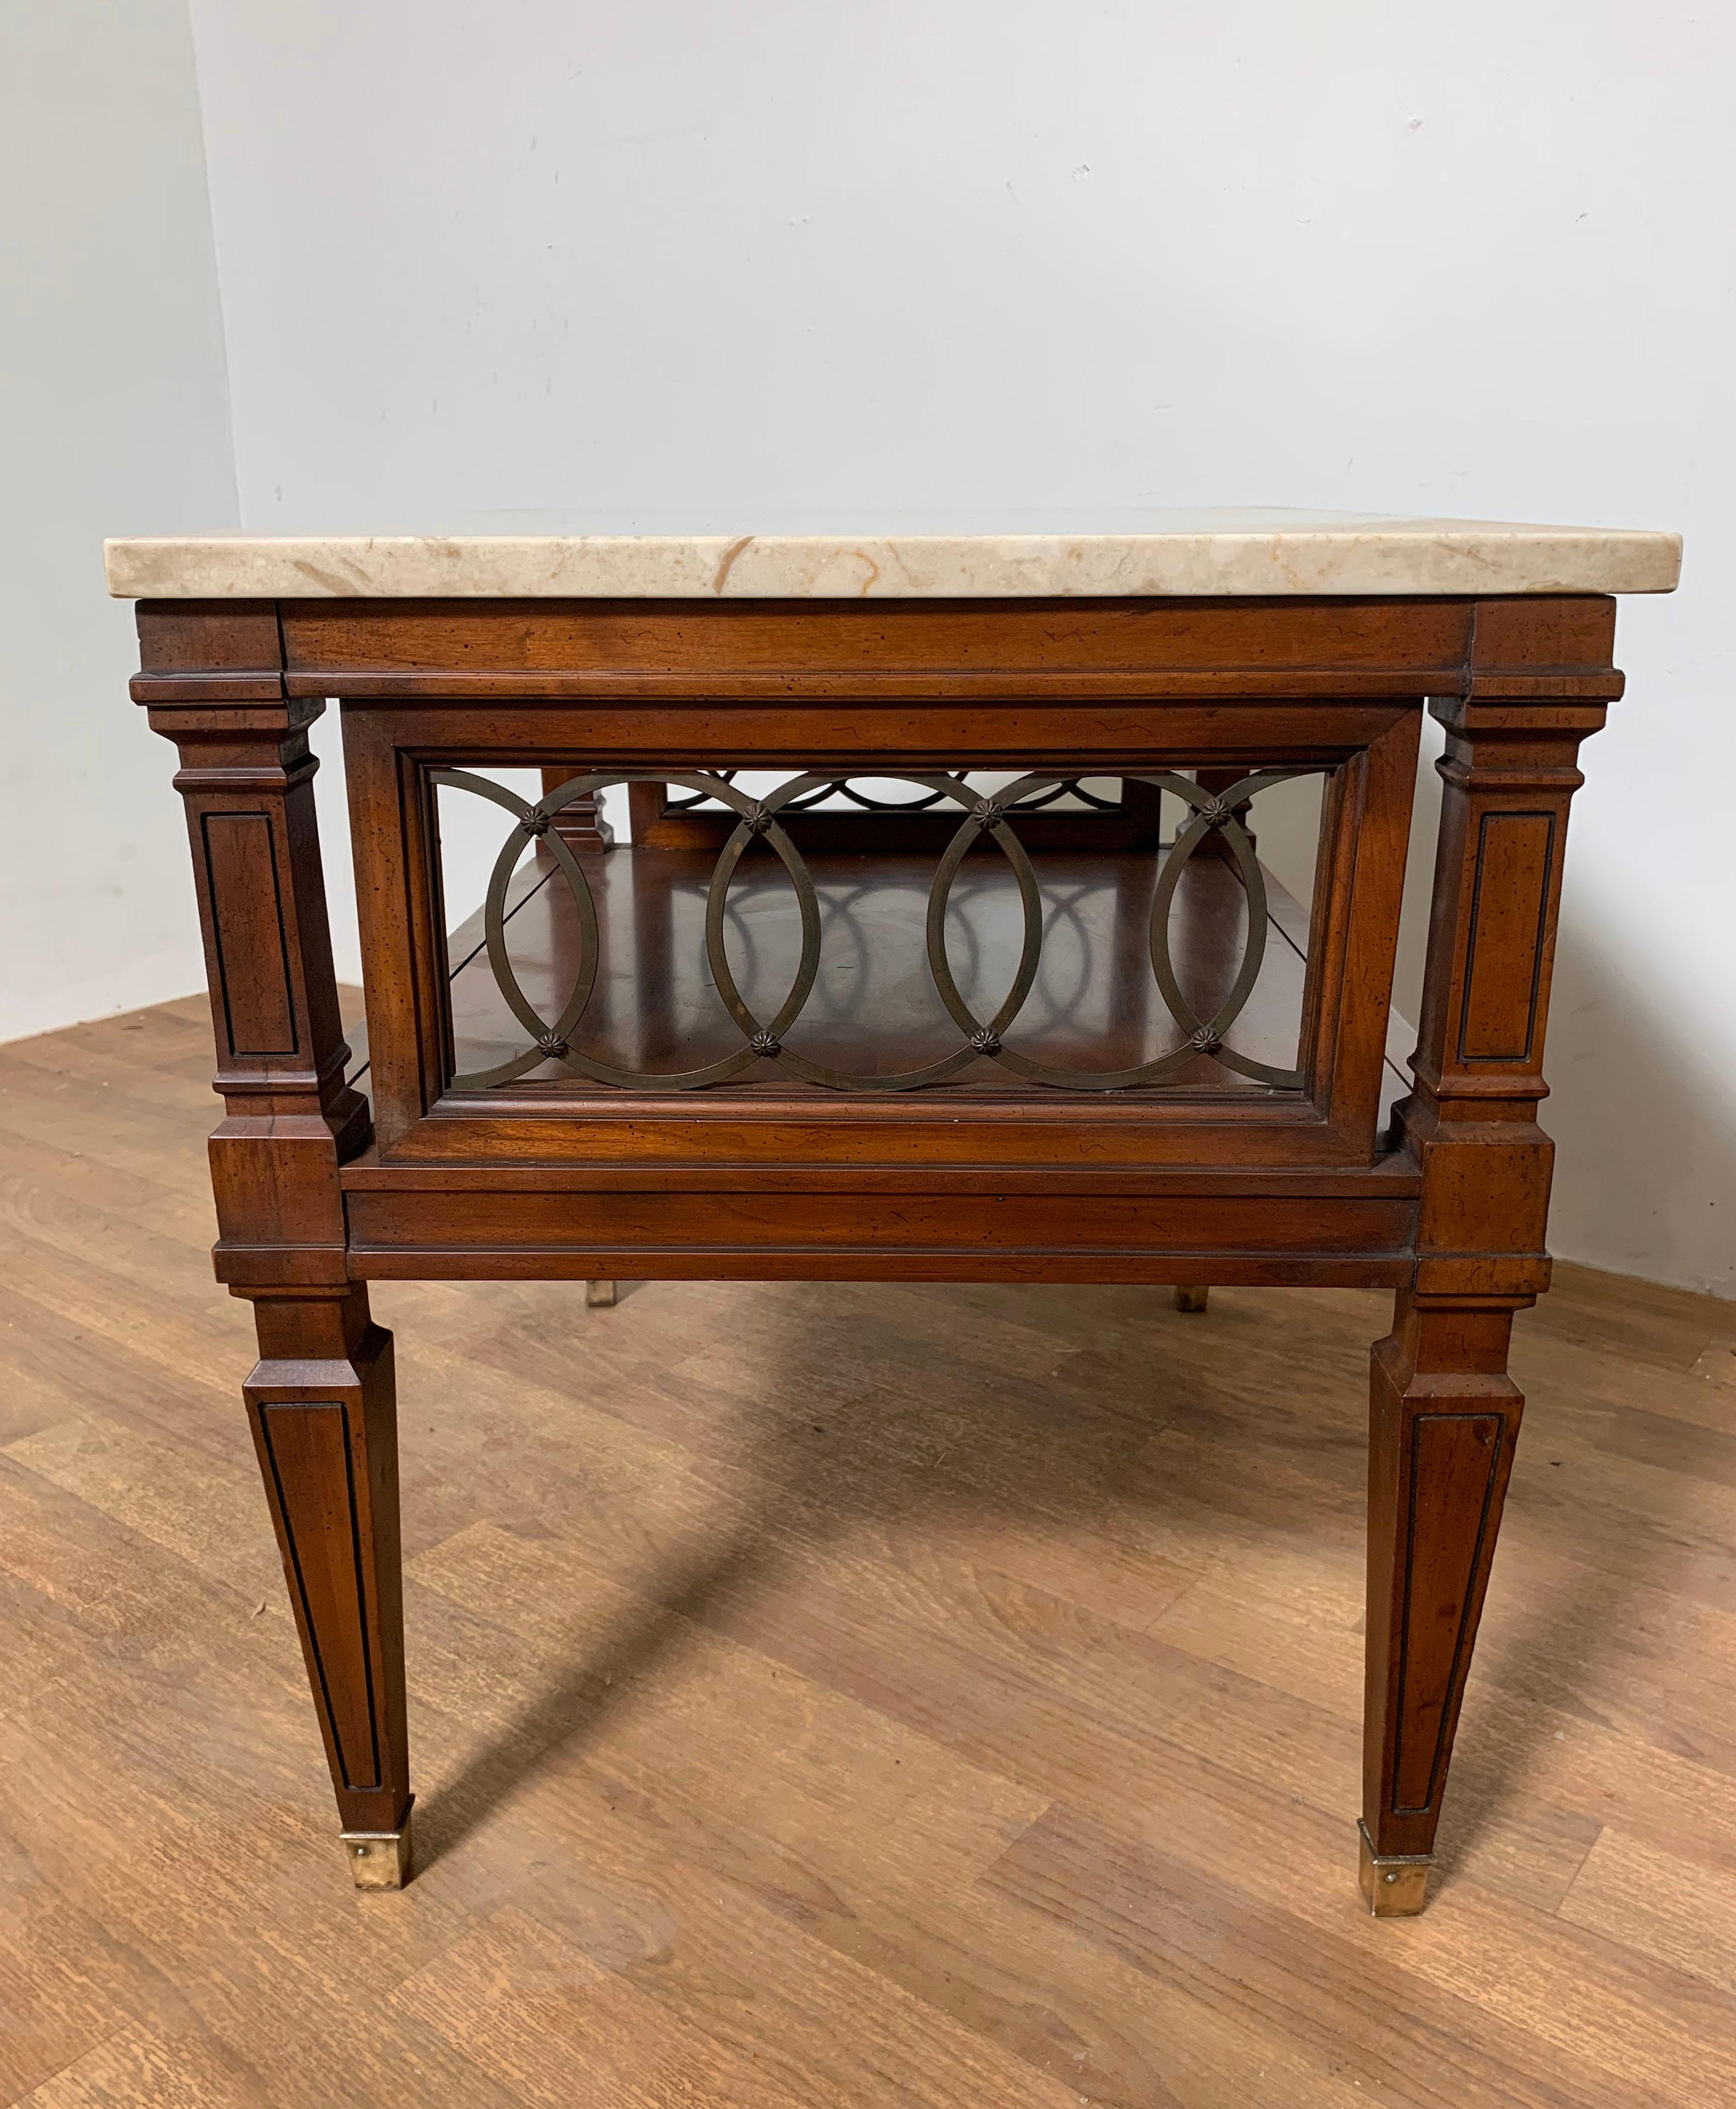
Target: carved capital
<point>1509,771</point>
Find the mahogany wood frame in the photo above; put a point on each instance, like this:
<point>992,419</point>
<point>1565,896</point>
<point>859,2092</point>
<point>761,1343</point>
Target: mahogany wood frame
<point>316,1193</point>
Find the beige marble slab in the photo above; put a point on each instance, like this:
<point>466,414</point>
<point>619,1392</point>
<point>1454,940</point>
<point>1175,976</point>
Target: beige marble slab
<point>1193,554</point>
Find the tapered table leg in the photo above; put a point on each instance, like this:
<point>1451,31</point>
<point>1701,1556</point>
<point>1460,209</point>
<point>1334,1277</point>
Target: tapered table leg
<point>1443,1420</point>
<point>324,1419</point>
<point>599,1295</point>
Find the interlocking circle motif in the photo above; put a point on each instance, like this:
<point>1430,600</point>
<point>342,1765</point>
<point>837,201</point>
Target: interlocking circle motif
<point>764,1040</point>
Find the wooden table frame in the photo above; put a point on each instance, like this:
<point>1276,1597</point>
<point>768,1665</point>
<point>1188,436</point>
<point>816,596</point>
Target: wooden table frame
<point>317,1192</point>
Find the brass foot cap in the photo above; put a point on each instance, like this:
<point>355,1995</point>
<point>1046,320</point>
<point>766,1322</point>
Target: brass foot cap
<point>1192,1300</point>
<point>378,1859</point>
<point>600,1295</point>
<point>1393,1887</point>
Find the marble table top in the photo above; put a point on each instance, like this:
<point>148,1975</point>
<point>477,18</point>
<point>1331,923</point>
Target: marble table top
<point>1262,553</point>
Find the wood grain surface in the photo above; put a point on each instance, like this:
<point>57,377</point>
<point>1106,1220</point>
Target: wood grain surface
<point>827,1694</point>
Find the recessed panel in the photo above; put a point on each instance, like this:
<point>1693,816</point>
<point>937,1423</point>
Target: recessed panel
<point>253,969</point>
<point>1514,855</point>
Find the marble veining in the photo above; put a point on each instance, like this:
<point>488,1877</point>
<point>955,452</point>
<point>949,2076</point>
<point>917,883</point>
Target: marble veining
<point>1194,554</point>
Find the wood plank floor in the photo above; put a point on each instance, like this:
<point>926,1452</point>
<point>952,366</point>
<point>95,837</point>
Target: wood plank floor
<point>830,1695</point>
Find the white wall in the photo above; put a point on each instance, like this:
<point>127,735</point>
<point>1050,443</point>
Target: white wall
<point>676,265</point>
<point>113,415</point>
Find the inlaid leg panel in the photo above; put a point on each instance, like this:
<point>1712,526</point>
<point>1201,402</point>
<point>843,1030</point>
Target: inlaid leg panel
<point>1444,1418</point>
<point>324,1423</point>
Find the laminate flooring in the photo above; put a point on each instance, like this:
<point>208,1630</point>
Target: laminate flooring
<point>831,1696</point>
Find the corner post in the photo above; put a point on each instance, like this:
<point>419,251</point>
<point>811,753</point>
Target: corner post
<point>1444,1413</point>
<point>214,682</point>
<point>321,1400</point>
